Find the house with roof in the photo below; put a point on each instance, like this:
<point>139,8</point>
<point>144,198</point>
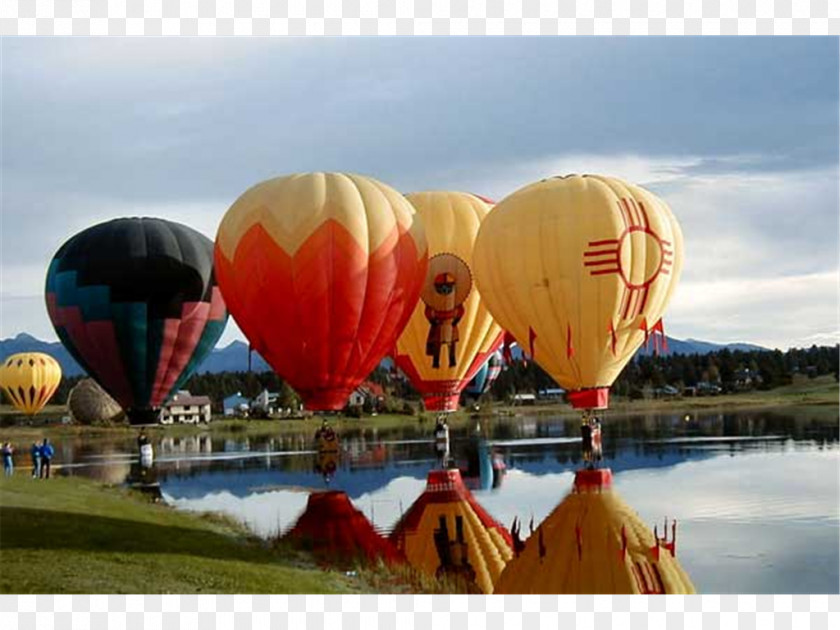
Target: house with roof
<point>369,391</point>
<point>184,408</point>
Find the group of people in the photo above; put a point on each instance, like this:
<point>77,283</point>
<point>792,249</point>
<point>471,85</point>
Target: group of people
<point>42,455</point>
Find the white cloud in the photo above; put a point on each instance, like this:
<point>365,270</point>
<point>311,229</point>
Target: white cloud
<point>774,312</point>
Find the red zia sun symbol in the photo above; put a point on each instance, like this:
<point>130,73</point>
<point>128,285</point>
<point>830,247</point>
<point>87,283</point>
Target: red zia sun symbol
<point>614,256</point>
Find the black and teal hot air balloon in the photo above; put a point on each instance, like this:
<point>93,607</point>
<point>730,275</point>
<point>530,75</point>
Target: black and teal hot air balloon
<point>136,303</point>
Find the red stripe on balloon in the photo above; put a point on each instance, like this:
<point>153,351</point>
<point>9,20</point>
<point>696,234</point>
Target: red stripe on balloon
<point>170,336</point>
<point>96,342</point>
<point>190,327</point>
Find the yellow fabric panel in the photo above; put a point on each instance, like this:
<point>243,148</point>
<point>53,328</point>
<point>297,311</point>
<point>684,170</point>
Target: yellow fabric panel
<point>29,371</point>
<point>598,566</point>
<point>451,221</point>
<point>577,254</point>
<point>290,208</point>
<point>487,551</point>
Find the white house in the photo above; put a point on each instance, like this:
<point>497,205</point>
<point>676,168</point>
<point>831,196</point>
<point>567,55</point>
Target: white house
<point>185,408</point>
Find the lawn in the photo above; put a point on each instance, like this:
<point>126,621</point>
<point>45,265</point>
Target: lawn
<point>71,535</point>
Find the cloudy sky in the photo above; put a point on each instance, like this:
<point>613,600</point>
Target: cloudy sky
<point>738,135</point>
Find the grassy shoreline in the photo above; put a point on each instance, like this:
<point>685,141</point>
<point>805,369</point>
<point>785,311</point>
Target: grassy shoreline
<point>74,535</point>
<point>820,396</point>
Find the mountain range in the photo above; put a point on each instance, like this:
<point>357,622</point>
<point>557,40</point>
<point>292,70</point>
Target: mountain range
<point>234,356</point>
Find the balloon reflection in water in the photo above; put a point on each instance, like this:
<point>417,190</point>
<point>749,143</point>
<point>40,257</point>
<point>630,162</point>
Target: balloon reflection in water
<point>593,542</point>
<point>447,534</point>
<point>337,532</point>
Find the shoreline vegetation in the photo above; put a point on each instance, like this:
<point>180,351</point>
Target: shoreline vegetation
<point>820,395</point>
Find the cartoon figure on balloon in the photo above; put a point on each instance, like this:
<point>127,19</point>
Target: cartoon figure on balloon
<point>448,284</point>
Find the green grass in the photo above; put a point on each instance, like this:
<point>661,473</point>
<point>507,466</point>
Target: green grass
<point>71,535</point>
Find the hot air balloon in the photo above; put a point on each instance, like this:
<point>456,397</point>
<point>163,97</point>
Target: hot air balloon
<point>596,262</point>
<point>446,532</point>
<point>29,379</point>
<point>593,542</point>
<point>321,271</point>
<point>486,375</point>
<point>88,403</point>
<point>136,303</point>
<point>451,333</point>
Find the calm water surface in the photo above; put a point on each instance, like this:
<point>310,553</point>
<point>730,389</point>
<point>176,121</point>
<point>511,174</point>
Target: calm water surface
<point>756,494</point>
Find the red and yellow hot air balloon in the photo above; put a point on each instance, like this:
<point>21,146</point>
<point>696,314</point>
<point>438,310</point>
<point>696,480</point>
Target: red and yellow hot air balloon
<point>321,271</point>
<point>451,333</point>
<point>29,379</point>
<point>579,269</point>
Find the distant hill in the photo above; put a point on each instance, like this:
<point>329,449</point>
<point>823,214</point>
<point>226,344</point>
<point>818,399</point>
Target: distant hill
<point>28,343</point>
<point>694,346</point>
<point>234,356</point>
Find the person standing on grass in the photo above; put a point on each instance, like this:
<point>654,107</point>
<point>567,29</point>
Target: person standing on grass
<point>8,461</point>
<point>35,453</point>
<point>47,452</point>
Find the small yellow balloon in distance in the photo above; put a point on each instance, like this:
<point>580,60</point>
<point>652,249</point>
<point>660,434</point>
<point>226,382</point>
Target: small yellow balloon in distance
<point>29,379</point>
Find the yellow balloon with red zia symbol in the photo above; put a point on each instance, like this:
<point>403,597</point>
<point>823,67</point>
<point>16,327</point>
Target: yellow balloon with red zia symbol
<point>579,269</point>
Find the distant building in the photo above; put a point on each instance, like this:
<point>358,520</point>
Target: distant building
<point>666,391</point>
<point>704,388</point>
<point>746,378</point>
<point>524,399</point>
<point>555,393</point>
<point>265,402</point>
<point>184,408</point>
<point>367,391</point>
<point>236,405</point>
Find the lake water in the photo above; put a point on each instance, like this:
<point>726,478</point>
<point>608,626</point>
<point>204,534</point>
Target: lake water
<point>756,494</point>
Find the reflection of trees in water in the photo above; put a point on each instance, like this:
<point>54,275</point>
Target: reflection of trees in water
<point>362,448</point>
<point>713,424</point>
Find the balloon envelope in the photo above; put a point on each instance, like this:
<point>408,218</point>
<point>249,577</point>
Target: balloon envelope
<point>596,262</point>
<point>486,375</point>
<point>29,379</point>
<point>136,303</point>
<point>321,272</point>
<point>451,333</point>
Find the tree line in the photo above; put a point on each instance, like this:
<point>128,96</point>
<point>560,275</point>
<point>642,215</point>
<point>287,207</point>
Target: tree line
<point>731,370</point>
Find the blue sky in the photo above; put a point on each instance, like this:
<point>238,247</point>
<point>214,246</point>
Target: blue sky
<point>738,135</point>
